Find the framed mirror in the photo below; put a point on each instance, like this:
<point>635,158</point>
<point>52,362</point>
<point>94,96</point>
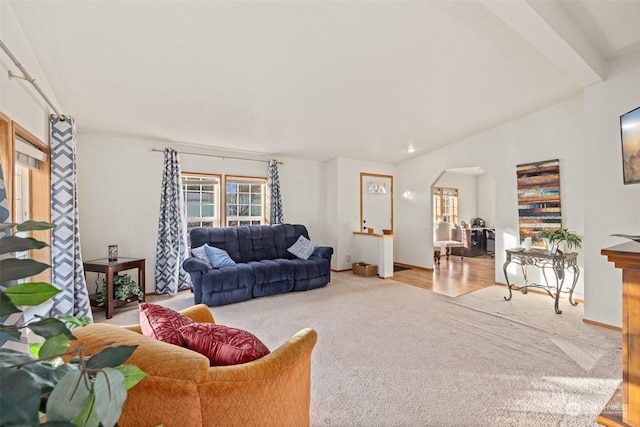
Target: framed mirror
<point>376,202</point>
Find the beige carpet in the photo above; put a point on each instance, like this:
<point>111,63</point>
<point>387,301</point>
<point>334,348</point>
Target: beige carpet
<point>390,354</point>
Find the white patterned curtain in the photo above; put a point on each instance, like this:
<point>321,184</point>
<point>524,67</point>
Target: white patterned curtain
<point>275,200</point>
<point>66,269</point>
<point>171,249</point>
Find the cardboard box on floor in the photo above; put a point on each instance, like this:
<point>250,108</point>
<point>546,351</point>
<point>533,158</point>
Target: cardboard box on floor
<point>364,269</point>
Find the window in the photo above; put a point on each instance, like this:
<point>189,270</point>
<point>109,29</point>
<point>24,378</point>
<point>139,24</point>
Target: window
<point>245,200</point>
<point>445,204</point>
<point>201,194</point>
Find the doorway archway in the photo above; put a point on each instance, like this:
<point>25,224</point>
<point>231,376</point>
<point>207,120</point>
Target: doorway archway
<point>465,198</point>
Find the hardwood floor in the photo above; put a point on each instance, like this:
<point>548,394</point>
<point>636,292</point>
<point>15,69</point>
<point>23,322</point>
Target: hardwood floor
<point>454,277</point>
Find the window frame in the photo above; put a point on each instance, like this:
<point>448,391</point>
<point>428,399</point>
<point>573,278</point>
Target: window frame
<point>263,217</point>
<point>217,197</point>
<point>440,213</point>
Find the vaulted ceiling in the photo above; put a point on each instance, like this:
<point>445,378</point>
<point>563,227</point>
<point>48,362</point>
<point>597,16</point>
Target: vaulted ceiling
<point>320,79</point>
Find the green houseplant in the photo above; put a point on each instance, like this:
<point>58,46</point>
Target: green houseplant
<point>560,236</point>
<point>41,389</point>
<point>124,287</point>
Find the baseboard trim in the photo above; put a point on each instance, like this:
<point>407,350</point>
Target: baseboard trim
<point>602,325</point>
<point>401,264</point>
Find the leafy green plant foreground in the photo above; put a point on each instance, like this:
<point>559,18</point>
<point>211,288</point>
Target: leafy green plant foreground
<point>40,389</point>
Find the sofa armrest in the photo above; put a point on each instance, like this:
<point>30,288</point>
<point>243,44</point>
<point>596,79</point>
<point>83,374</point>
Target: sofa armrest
<point>201,313</point>
<point>193,264</point>
<point>323,252</point>
<point>274,390</point>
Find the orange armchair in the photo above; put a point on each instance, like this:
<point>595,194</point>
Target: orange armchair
<point>181,389</point>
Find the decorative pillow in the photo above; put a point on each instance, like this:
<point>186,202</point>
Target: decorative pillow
<point>218,257</point>
<point>200,254</point>
<point>162,323</point>
<point>223,345</point>
<point>303,248</point>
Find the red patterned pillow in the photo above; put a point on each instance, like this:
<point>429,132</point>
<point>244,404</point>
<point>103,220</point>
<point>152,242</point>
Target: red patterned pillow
<point>162,323</point>
<point>223,345</point>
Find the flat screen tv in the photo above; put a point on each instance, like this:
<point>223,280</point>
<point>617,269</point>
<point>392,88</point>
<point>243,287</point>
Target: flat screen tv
<point>630,134</point>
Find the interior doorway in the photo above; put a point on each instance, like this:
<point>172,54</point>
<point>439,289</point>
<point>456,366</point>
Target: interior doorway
<point>464,199</point>
<point>26,167</point>
<point>474,192</point>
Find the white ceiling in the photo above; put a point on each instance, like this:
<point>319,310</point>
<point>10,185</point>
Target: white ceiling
<point>320,79</point>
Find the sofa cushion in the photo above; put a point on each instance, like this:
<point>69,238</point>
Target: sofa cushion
<point>219,257</point>
<point>162,323</point>
<point>303,248</point>
<point>223,345</point>
<point>257,243</point>
<point>201,254</point>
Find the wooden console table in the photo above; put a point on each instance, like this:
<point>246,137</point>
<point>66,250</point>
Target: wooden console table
<point>544,259</point>
<point>627,257</point>
<point>109,269</point>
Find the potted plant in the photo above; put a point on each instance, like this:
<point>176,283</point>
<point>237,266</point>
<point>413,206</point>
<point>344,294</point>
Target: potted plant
<point>559,236</point>
<point>35,388</point>
<point>124,289</point>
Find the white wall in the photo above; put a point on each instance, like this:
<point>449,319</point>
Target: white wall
<point>18,99</point>
<point>555,132</point>
<point>119,184</point>
<point>486,199</point>
<point>331,208</point>
<point>610,206</point>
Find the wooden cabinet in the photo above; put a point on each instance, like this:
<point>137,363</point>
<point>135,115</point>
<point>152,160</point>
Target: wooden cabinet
<point>627,258</point>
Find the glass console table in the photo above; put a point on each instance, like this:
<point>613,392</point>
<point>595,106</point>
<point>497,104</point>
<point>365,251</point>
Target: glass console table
<point>544,260</point>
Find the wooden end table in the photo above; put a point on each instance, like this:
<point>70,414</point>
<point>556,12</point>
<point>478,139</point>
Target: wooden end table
<point>109,268</point>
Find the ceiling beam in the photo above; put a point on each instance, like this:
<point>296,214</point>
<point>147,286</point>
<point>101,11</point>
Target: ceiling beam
<point>552,31</point>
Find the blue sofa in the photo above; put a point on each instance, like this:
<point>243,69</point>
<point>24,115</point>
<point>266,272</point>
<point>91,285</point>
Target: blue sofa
<point>263,264</point>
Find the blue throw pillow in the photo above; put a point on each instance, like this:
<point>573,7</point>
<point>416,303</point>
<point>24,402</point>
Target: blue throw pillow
<point>201,254</point>
<point>303,248</point>
<point>218,257</point>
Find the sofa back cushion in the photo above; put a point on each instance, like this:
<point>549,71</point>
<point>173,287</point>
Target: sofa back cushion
<point>251,242</point>
<point>224,238</point>
<point>257,242</point>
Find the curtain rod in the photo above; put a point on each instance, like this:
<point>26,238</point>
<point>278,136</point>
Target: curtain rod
<point>156,150</point>
<point>26,76</point>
